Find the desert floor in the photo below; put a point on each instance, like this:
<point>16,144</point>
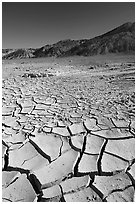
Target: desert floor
<point>68,129</point>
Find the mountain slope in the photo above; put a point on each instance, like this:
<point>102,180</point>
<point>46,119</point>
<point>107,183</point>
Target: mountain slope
<point>117,40</point>
<point>18,53</point>
<point>120,39</point>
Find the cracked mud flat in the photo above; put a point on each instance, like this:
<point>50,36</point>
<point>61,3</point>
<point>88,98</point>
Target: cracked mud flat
<point>68,131</point>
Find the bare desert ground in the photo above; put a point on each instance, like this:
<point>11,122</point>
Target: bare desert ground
<point>68,129</point>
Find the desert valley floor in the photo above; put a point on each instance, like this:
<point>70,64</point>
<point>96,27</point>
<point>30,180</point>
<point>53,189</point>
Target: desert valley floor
<point>68,129</point>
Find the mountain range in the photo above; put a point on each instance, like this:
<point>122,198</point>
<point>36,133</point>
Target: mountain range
<point>118,40</point>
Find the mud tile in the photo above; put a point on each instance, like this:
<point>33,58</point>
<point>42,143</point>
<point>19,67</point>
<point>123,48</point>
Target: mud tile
<point>41,106</point>
<point>55,199</point>
<point>27,103</point>
<point>37,99</point>
<point>88,163</point>
<point>74,183</point>
<point>36,121</point>
<point>46,129</point>
<point>6,118</point>
<point>46,114</point>
<point>84,195</point>
<point>122,116</point>
<point>18,156</point>
<point>41,118</point>
<point>105,121</point>
<point>65,145</point>
<point>112,163</point>
<point>132,171</point>
<point>28,127</point>
<point>108,184</point>
<point>77,141</point>
<point>14,146</point>
<point>108,114</point>
<point>36,130</point>
<point>49,101</point>
<point>61,123</point>
<point>9,131</point>
<point>93,144</point>
<point>91,124</point>
<point>17,90</point>
<point>75,120</point>
<point>13,103</point>
<point>51,192</point>
<point>16,126</point>
<point>8,177</point>
<point>64,105</point>
<point>123,148</point>
<point>4,148</point>
<point>132,125</point>
<point>48,143</point>
<point>23,118</point>
<point>20,100</point>
<point>5,136</point>
<point>77,128</point>
<point>125,132</point>
<point>120,123</point>
<point>35,112</point>
<point>75,115</point>
<point>57,169</point>
<point>10,121</point>
<point>126,195</point>
<point>21,190</point>
<point>27,110</point>
<point>35,163</point>
<point>49,115</point>
<point>6,110</point>
<point>24,90</point>
<point>17,111</point>
<point>63,131</point>
<point>15,138</point>
<point>112,133</point>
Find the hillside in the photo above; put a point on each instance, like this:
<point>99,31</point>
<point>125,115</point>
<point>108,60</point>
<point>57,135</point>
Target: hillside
<point>17,53</point>
<point>120,39</point>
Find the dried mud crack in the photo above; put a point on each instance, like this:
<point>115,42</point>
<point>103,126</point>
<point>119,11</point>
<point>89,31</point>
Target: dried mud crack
<point>69,137</point>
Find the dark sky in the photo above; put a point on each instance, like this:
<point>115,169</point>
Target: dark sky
<point>36,24</point>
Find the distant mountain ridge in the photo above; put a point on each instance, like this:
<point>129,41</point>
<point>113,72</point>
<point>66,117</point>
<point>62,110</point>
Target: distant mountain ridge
<point>17,53</point>
<point>120,39</point>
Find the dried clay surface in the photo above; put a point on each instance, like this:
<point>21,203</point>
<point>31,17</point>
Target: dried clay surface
<point>68,130</point>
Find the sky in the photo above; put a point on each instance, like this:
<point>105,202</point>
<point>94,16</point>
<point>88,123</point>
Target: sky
<point>33,24</point>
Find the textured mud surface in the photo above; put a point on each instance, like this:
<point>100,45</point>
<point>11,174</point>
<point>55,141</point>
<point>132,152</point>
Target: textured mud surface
<point>68,133</point>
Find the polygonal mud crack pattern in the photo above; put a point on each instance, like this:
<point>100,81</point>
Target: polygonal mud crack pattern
<point>68,139</point>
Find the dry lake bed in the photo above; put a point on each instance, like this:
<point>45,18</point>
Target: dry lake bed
<point>68,129</point>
